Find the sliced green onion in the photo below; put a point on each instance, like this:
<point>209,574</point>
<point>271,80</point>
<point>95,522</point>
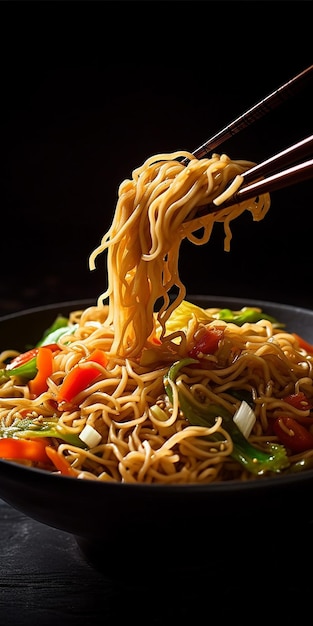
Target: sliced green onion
<point>245,418</point>
<point>158,413</point>
<point>90,436</point>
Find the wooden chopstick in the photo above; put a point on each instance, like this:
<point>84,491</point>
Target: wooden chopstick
<point>279,180</point>
<point>259,110</point>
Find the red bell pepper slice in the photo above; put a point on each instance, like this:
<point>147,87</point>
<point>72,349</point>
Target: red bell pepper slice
<point>29,449</point>
<point>81,376</point>
<point>44,364</point>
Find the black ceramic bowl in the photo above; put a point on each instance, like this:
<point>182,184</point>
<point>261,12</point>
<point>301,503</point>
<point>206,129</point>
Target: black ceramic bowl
<point>103,515</point>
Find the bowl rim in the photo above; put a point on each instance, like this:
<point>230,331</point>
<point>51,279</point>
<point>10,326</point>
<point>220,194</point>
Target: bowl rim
<point>11,469</point>
<point>238,300</point>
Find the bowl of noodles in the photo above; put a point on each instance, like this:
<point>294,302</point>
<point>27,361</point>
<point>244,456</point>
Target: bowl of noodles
<point>100,510</point>
<point>154,413</point>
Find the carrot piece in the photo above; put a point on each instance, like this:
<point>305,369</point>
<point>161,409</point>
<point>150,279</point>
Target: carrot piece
<point>30,449</point>
<point>81,376</point>
<point>60,463</point>
<point>44,364</point>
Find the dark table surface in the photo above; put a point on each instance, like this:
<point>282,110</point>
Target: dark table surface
<point>46,578</point>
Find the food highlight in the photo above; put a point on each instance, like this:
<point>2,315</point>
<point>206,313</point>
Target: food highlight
<point>146,386</point>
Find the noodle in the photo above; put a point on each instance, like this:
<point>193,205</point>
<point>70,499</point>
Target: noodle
<point>142,433</point>
<point>152,217</point>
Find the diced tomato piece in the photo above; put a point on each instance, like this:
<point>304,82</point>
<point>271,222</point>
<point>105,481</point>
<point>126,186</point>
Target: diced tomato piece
<point>292,434</point>
<point>207,343</point>
<point>299,401</point>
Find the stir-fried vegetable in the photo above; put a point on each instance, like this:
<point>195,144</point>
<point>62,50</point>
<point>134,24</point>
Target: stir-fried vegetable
<point>181,316</point>
<point>44,367</point>
<point>293,435</point>
<point>37,428</point>
<point>299,401</point>
<point>25,365</point>
<point>27,437</point>
<point>245,418</point>
<point>246,315</point>
<point>59,462</point>
<point>207,342</point>
<point>36,451</point>
<point>81,376</point>
<point>253,459</point>
<point>59,328</point>
<point>28,449</point>
<point>90,436</point>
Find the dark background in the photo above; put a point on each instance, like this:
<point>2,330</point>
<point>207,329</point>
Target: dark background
<point>90,90</point>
